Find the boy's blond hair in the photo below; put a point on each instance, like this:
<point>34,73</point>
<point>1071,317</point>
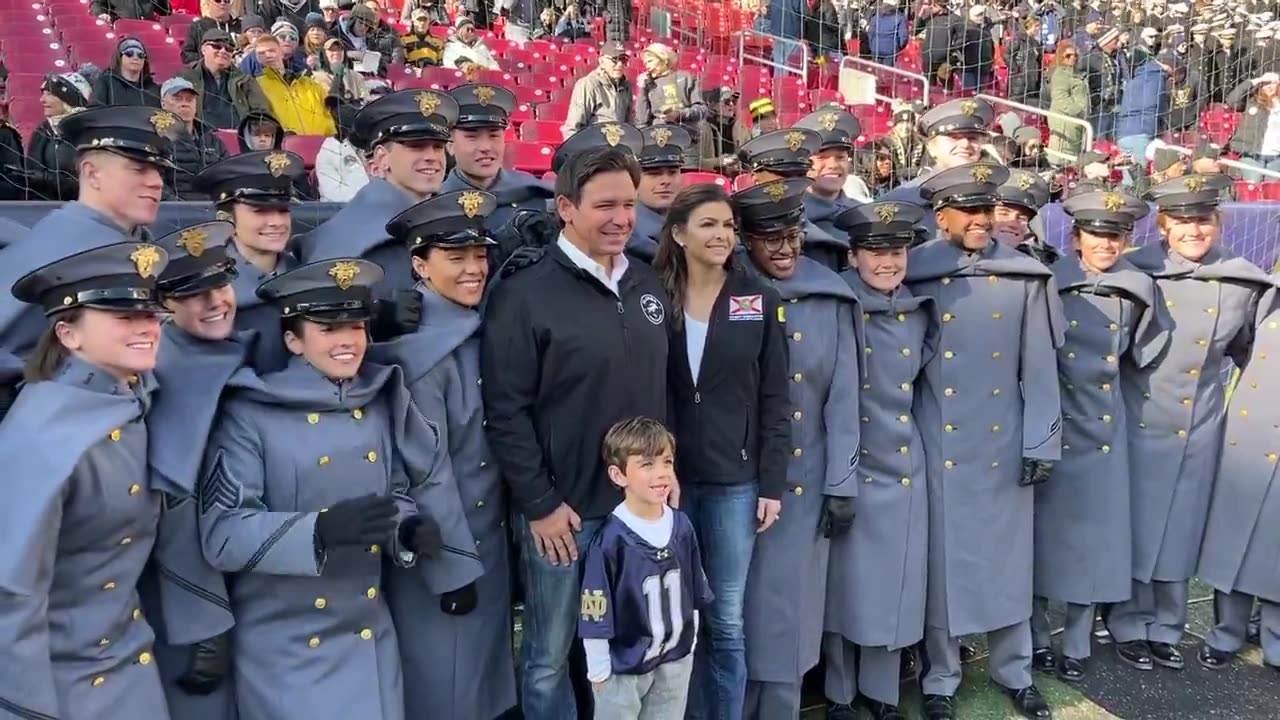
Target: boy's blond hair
<point>636,437</point>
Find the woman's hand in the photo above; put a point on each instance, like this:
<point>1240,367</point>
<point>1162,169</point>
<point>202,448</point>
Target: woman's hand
<point>767,512</point>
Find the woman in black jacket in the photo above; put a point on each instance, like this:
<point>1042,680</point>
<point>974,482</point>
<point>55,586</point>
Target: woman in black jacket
<point>1258,99</point>
<point>727,378</point>
<point>52,172</point>
<point>1025,58</point>
<point>128,80</point>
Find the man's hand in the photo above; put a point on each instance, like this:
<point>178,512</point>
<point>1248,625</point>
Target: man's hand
<point>355,55</point>
<point>553,535</point>
<point>837,516</point>
<point>105,17</point>
<point>673,497</point>
<point>1035,472</point>
<point>767,512</point>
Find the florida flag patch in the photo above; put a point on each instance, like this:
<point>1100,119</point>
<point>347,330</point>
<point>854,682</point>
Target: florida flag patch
<point>746,307</point>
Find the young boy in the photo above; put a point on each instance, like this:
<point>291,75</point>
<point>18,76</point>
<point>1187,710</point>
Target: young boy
<point>643,584</point>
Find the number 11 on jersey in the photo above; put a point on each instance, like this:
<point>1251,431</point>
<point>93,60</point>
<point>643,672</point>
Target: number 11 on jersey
<point>659,591</point>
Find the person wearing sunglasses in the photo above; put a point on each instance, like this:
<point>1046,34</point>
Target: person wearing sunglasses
<point>227,94</point>
<point>604,94</point>
<point>214,15</point>
<point>128,80</point>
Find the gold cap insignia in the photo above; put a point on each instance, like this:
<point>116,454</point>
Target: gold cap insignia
<point>145,259</point>
<point>980,173</point>
<point>484,94</point>
<point>1112,201</point>
<point>277,163</point>
<point>887,212</point>
<point>192,240</point>
<point>828,121</point>
<point>162,121</point>
<point>969,107</point>
<point>1194,184</point>
<point>470,202</point>
<point>427,102</point>
<point>344,273</point>
<point>795,140</point>
<point>612,134</point>
<point>1025,181</point>
<point>775,191</point>
<point>662,136</point>
<point>594,605</point>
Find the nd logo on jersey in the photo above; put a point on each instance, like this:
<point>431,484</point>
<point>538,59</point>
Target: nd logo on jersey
<point>594,605</point>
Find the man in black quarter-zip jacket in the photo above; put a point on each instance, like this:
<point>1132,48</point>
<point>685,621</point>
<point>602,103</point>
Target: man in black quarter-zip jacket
<point>575,340</point>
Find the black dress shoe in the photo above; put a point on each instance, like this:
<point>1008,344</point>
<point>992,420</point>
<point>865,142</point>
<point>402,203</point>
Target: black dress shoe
<point>939,707</point>
<point>884,711</point>
<point>967,653</point>
<point>910,665</point>
<point>841,711</point>
<point>1029,702</point>
<point>1214,659</point>
<point>1136,654</point>
<point>1070,669</point>
<point>1043,660</point>
<point>1253,635</point>
<point>1166,655</point>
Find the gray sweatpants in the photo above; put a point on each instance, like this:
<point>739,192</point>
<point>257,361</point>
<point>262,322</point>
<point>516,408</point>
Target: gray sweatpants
<point>1233,623</point>
<point>656,695</point>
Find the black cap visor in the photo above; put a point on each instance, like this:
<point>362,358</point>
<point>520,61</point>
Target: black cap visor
<point>481,121</point>
<point>411,132</point>
<point>773,224</point>
<point>142,152</point>
<point>140,299</point>
<point>967,201</point>
<point>470,237</point>
<point>211,277</point>
<point>1104,226</point>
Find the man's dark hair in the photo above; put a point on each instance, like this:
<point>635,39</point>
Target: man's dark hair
<point>589,163</point>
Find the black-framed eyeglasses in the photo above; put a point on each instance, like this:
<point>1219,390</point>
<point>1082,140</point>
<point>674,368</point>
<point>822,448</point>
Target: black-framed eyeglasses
<point>774,242</point>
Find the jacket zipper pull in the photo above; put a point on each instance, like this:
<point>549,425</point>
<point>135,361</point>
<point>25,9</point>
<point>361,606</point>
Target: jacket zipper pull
<point>697,397</point>
<point>744,454</point>
<point>619,307</point>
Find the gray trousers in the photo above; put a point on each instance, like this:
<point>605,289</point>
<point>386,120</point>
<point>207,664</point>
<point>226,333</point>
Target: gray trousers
<point>852,669</point>
<point>1233,623</point>
<point>1155,612</point>
<point>772,700</point>
<point>1076,635</point>
<point>657,695</point>
<point>1010,662</point>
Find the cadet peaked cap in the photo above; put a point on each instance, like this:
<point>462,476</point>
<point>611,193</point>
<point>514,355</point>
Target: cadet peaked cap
<point>771,207</point>
<point>137,132</point>
<point>968,186</point>
<point>483,106</point>
<point>113,277</point>
<point>407,115</point>
<point>838,127</point>
<point>198,259</point>
<point>450,220</point>
<point>968,115</point>
<point>1024,190</point>
<point>329,291</point>
<point>781,151</point>
<point>1109,211</point>
<point>263,177</point>
<point>664,146</point>
<point>1189,195</point>
<point>881,225</point>
<point>609,134</point>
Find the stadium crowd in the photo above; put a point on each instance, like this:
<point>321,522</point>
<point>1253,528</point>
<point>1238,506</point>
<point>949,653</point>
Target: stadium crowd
<point>724,385</point>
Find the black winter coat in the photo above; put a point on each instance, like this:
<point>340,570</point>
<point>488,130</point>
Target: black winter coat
<point>52,170</point>
<point>197,29</point>
<point>12,184</point>
<point>192,152</point>
<point>1249,134</point>
<point>272,10</point>
<point>1025,58</point>
<point>130,9</point>
<point>112,89</point>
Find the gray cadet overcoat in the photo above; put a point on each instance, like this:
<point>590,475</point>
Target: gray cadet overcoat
<point>876,581</point>
<point>1176,405</point>
<point>359,230</point>
<point>72,228</point>
<point>1115,323</point>
<point>514,190</point>
<point>643,244</point>
<point>313,636</point>
<point>253,314</point>
<point>76,528</point>
<point>987,400</point>
<point>786,585</point>
<point>184,597</point>
<point>455,667</point>
<point>1242,537</point>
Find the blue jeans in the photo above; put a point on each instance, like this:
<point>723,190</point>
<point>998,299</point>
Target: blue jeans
<point>1136,146</point>
<point>551,607</point>
<point>1104,125</point>
<point>724,517</point>
<point>1264,162</point>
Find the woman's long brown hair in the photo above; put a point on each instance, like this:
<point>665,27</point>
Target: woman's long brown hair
<point>670,263</point>
<point>50,353</point>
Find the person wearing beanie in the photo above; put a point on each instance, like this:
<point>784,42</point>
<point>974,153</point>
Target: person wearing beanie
<point>1100,67</point>
<point>363,31</point>
<point>1143,110</point>
<point>465,48</point>
<point>286,34</point>
<point>314,33</point>
<point>128,80</point>
<point>421,47</point>
<point>213,16</point>
<point>51,160</point>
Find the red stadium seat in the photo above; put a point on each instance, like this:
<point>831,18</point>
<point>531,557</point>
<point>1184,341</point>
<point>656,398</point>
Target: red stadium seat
<point>1247,191</point>
<point>825,96</point>
<point>530,157</point>
<point>26,113</point>
<point>743,181</point>
<point>230,140</point>
<point>552,111</point>
<point>694,178</point>
<point>1271,190</point>
<point>529,95</point>
<point>306,146</point>
<point>137,27</point>
<point>545,131</point>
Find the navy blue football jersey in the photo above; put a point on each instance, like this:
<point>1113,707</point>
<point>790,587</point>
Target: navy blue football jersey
<point>641,598</point>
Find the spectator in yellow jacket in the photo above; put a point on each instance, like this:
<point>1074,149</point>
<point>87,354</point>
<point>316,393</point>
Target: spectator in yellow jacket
<point>296,99</point>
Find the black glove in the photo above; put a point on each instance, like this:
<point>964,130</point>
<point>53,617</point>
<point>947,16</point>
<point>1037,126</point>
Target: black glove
<point>520,259</point>
<point>8,396</point>
<point>421,534</point>
<point>208,663</point>
<point>460,601</point>
<point>397,315</point>
<point>367,520</point>
<point>1035,472</point>
<point>837,516</point>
